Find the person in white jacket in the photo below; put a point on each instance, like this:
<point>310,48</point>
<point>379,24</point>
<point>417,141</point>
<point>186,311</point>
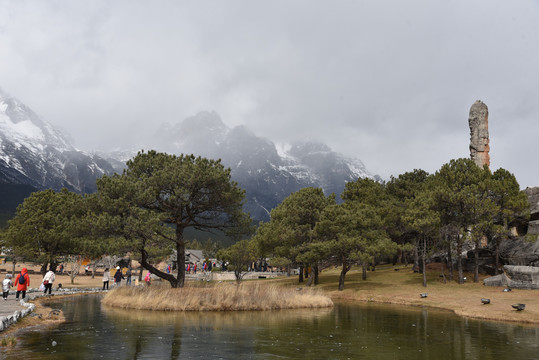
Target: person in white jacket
<point>106,278</point>
<point>48,279</point>
<point>6,284</point>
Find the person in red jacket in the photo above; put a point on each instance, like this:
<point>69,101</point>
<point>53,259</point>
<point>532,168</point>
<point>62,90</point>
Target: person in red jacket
<point>22,281</point>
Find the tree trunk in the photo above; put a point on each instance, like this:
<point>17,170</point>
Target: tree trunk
<point>238,274</point>
<point>363,272</point>
<point>343,274</point>
<point>316,275</point>
<point>443,272</point>
<point>424,261</point>
<point>459,261</point>
<point>405,258</point>
<point>75,264</point>
<point>476,262</point>
<point>140,274</point>
<point>43,269</point>
<point>310,278</point>
<point>301,274</point>
<point>416,258</point>
<point>450,262</point>
<point>174,282</point>
<point>180,258</point>
<point>94,269</point>
<point>497,267</point>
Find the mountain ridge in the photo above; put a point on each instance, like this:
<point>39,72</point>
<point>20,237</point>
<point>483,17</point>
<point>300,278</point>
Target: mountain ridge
<point>33,153</point>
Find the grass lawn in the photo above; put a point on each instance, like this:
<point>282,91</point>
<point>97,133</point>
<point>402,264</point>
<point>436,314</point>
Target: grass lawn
<point>385,285</point>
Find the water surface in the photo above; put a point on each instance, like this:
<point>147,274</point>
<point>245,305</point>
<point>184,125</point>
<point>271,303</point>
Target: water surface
<point>348,331</point>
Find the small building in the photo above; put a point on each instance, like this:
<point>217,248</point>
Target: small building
<point>194,257</point>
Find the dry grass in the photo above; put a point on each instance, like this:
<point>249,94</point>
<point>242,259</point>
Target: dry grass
<point>216,297</point>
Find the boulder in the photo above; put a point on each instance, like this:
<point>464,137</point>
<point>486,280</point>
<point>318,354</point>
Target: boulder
<point>518,277</point>
<point>520,252</point>
<point>533,199</point>
<point>498,280</point>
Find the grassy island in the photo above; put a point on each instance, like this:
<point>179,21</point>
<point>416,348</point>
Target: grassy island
<point>216,297</point>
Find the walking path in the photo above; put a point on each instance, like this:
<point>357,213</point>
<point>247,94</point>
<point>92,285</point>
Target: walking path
<point>11,310</point>
<point>9,306</point>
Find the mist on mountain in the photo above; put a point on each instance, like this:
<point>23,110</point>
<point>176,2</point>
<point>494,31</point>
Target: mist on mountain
<point>35,155</point>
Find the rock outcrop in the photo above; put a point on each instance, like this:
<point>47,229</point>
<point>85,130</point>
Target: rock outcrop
<point>521,252</point>
<point>479,140</point>
<point>533,199</point>
<point>517,277</point>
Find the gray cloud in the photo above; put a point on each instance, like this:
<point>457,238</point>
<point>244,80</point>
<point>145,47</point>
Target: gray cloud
<point>389,82</point>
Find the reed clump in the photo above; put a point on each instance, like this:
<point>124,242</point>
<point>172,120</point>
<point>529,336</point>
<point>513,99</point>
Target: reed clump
<point>216,297</point>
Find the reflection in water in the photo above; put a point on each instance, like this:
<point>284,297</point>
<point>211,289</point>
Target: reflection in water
<point>216,333</point>
<point>365,331</point>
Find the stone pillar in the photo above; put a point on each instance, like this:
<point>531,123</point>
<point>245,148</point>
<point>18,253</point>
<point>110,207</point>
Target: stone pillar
<point>479,141</point>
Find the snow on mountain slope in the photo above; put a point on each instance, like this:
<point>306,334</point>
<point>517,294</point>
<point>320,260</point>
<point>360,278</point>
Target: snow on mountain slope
<point>33,152</point>
<point>268,172</point>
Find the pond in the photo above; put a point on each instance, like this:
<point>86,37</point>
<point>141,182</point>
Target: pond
<point>347,331</point>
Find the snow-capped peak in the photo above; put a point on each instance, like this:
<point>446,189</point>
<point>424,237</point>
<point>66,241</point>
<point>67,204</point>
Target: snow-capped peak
<point>20,125</point>
<point>33,152</point>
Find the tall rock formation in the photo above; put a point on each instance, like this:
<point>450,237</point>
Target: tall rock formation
<point>479,141</point>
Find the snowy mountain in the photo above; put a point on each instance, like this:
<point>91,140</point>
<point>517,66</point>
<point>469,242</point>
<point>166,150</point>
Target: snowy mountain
<point>34,155</point>
<point>268,173</point>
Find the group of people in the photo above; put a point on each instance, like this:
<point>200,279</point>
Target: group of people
<point>192,268</point>
<point>119,276</point>
<point>22,282</point>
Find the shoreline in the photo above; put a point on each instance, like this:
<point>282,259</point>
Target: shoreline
<point>32,321</point>
<point>387,286</point>
<point>38,314</point>
<point>383,286</point>
<point>523,322</point>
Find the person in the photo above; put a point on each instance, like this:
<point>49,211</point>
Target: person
<point>118,276</point>
<point>48,279</point>
<point>128,276</point>
<point>148,278</point>
<point>61,268</point>
<point>6,284</point>
<point>22,281</point>
<point>106,278</point>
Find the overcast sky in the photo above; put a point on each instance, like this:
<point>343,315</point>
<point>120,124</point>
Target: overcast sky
<point>389,82</point>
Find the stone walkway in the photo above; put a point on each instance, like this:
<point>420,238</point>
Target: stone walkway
<point>10,306</point>
<point>11,310</point>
